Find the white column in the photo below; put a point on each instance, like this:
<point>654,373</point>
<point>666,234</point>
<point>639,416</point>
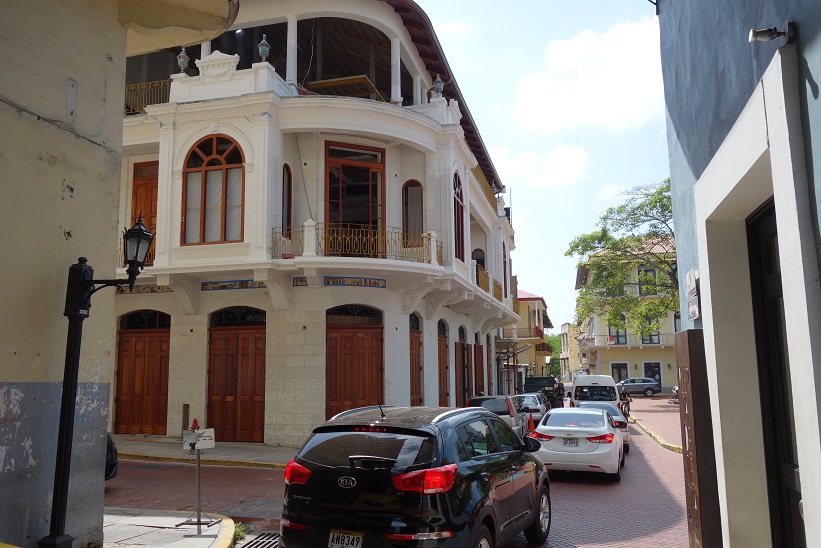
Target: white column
<point>396,71</point>
<point>309,242</point>
<point>205,49</point>
<point>290,63</point>
<point>417,90</point>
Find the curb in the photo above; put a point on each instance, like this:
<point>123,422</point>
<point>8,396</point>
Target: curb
<point>190,460</point>
<point>656,437</point>
<point>225,538</point>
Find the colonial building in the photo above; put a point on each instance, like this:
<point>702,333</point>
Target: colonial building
<point>521,348</point>
<point>571,362</point>
<point>329,227</point>
<point>623,353</point>
<point>743,118</point>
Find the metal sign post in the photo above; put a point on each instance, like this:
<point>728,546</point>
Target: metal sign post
<point>198,440</point>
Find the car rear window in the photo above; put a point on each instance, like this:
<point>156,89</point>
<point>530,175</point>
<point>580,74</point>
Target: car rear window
<point>597,405</point>
<point>496,405</point>
<point>529,401</point>
<point>335,448</point>
<point>587,420</point>
<point>595,393</point>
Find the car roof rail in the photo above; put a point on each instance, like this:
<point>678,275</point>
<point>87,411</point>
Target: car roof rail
<point>358,410</point>
<point>457,411</point>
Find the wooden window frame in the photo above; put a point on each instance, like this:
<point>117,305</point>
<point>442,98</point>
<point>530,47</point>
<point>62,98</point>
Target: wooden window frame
<point>331,161</point>
<point>458,218</point>
<point>412,183</point>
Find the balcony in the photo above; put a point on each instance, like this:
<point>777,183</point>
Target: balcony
<point>482,278</point>
<point>497,290</point>
<point>632,339</point>
<point>138,96</point>
<point>519,333</point>
<point>355,241</point>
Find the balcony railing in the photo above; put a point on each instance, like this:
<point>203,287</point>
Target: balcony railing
<point>354,241</point>
<point>523,333</point>
<point>632,339</point>
<point>137,96</point>
<point>482,278</point>
<point>497,290</point>
<point>149,258</point>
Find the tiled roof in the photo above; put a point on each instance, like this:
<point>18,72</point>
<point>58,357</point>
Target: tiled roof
<point>526,296</point>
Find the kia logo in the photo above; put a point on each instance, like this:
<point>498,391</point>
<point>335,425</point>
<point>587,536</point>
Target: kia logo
<point>346,482</point>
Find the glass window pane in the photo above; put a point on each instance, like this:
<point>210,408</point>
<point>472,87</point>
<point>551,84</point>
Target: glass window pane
<point>213,206</point>
<point>233,209</point>
<point>192,207</point>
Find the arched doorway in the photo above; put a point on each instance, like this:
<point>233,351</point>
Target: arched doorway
<point>354,371</point>
<point>236,374</point>
<point>415,332</point>
<point>141,398</point>
<point>444,377</point>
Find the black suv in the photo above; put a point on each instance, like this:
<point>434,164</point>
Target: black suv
<point>413,477</point>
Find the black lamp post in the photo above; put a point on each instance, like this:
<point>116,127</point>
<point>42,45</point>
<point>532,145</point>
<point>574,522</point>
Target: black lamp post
<point>81,286</point>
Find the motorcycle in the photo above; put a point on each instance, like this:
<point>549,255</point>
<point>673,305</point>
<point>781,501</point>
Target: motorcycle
<point>673,396</point>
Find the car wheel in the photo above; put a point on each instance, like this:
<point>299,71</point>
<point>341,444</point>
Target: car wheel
<point>648,392</point>
<point>536,532</point>
<point>615,478</point>
<point>621,463</point>
<point>484,539</point>
<point>626,447</point>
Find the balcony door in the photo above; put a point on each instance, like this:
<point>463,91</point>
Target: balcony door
<point>354,201</point>
<point>144,199</point>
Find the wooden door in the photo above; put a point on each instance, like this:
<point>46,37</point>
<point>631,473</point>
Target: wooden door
<point>236,383</point>
<point>489,371</point>
<point>459,365</point>
<point>354,369</point>
<point>444,376</point>
<point>144,198</point>
<point>479,367</point>
<point>781,447</point>
<point>415,367</point>
<point>469,371</point>
<point>141,400</point>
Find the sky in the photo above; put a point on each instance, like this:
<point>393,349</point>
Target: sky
<point>568,99</point>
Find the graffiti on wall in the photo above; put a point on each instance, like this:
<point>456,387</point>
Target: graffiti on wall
<point>15,443</point>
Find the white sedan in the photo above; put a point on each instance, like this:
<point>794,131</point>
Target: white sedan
<point>581,440</point>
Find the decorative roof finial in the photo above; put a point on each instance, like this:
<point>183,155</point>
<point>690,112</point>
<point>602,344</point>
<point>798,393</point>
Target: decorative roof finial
<point>182,61</point>
<point>264,49</point>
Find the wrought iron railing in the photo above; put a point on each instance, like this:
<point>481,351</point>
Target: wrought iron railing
<point>137,96</point>
<point>497,290</point>
<point>149,259</point>
<point>355,241</point>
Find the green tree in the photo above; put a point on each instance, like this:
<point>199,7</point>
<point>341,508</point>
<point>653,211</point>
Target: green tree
<point>554,367</point>
<point>636,236</point>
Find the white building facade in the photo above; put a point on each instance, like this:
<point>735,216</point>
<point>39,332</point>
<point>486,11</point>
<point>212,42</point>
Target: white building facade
<point>329,230</point>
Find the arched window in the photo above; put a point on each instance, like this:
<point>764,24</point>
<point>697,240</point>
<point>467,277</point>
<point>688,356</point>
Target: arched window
<point>412,212</point>
<point>213,192</point>
<point>478,255</point>
<point>287,198</point>
<point>458,218</point>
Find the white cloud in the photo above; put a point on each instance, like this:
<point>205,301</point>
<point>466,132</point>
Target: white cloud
<point>562,166</point>
<point>609,80</point>
<point>611,193</point>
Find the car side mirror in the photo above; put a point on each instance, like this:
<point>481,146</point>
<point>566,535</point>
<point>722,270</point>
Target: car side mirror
<point>532,445</point>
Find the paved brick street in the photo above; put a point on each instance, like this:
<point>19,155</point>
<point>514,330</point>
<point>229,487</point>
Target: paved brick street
<point>645,509</point>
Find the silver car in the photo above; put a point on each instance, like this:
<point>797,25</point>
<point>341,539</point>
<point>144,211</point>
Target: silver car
<point>618,418</point>
<point>507,408</point>
<point>536,403</point>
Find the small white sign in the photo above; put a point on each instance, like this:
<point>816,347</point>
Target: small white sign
<point>692,283</point>
<point>693,311</point>
<point>198,439</point>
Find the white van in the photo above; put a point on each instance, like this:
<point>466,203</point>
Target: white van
<point>594,388</point>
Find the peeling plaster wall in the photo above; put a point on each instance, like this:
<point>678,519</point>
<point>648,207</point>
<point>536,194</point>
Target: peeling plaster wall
<point>61,103</point>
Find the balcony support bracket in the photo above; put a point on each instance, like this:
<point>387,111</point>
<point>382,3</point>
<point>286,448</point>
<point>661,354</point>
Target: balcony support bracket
<point>187,292</point>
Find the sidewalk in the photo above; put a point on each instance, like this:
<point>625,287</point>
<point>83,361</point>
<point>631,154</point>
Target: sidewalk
<point>658,419</point>
<point>130,527</point>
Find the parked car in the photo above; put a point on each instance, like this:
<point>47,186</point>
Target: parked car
<point>415,476</point>
<point>618,418</point>
<point>594,388</point>
<point>536,402</point>
<point>111,458</point>
<point>640,385</point>
<point>507,408</point>
<point>582,440</point>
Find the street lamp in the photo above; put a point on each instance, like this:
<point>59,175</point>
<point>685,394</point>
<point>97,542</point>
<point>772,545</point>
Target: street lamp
<point>81,286</point>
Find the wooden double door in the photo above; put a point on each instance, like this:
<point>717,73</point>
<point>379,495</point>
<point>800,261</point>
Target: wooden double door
<point>236,383</point>
<point>354,368</point>
<point>141,399</point>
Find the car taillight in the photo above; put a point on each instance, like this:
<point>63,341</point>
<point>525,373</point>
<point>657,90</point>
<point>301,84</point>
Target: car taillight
<point>604,438</point>
<point>296,474</point>
<point>510,408</point>
<point>539,436</point>
<point>619,424</point>
<point>284,522</point>
<point>436,535</point>
<point>428,481</point>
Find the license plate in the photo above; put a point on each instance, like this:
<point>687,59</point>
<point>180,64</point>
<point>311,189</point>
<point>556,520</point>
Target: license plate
<point>571,442</point>
<point>344,539</point>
